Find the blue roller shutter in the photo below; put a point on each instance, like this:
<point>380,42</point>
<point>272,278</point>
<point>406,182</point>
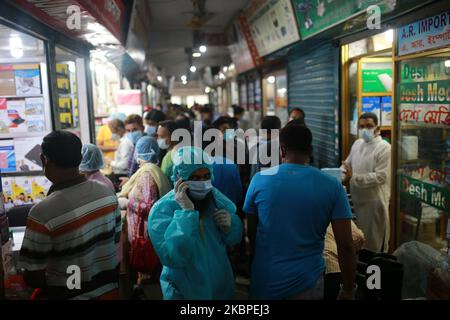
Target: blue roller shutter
<point>313,85</point>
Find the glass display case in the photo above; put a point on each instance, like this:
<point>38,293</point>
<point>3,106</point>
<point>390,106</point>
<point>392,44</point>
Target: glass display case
<point>423,99</point>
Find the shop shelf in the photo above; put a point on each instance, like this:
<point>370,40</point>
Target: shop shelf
<point>22,96</point>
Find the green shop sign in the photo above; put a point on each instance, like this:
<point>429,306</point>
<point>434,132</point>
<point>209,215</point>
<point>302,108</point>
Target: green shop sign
<point>428,92</point>
<point>432,195</point>
<point>314,16</point>
<point>377,80</point>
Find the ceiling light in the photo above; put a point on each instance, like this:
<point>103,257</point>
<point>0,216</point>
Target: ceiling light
<point>196,54</point>
<point>202,49</point>
<point>225,69</point>
<point>72,67</point>
<point>193,68</point>
<point>231,66</point>
<point>207,90</point>
<point>16,47</point>
<point>185,82</point>
<point>222,76</point>
<point>271,79</point>
<point>183,78</point>
<point>159,78</point>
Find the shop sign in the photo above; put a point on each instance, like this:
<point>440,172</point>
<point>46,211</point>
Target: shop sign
<point>434,92</point>
<point>272,24</point>
<point>430,194</point>
<point>257,60</point>
<point>314,17</point>
<point>432,32</point>
<point>427,69</point>
<point>377,80</point>
<point>109,13</point>
<point>433,115</point>
<point>239,49</point>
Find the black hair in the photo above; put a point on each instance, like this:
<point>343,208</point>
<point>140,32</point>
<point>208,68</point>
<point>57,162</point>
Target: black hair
<point>155,115</point>
<point>369,115</point>
<point>297,109</point>
<point>116,123</point>
<point>170,125</point>
<point>183,122</point>
<point>296,138</point>
<point>62,148</point>
<point>298,121</point>
<point>270,123</point>
<point>206,109</point>
<point>237,110</point>
<point>221,121</point>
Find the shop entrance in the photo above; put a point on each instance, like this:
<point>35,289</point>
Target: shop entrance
<point>367,86</point>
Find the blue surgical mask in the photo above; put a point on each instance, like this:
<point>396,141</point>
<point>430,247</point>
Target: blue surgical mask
<point>150,130</point>
<point>162,144</point>
<point>367,134</point>
<point>134,136</point>
<point>199,189</point>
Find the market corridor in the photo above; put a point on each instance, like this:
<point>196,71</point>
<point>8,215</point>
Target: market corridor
<point>225,150</point>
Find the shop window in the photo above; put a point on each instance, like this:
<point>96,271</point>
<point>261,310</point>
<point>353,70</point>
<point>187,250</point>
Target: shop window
<point>25,117</point>
<point>70,76</point>
<point>424,149</point>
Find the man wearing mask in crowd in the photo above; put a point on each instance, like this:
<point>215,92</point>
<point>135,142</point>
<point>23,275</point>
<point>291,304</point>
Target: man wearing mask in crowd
<point>123,155</point>
<point>297,114</point>
<point>152,120</point>
<point>134,126</point>
<point>368,168</point>
<point>106,140</point>
<point>165,143</point>
<point>206,115</point>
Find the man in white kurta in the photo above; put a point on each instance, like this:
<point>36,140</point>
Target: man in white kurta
<point>368,167</point>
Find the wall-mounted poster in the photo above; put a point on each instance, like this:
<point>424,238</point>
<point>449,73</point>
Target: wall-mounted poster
<point>429,33</point>
<point>272,24</point>
<point>314,16</point>
<point>28,82</point>
<point>239,50</point>
<point>7,156</point>
<point>28,152</point>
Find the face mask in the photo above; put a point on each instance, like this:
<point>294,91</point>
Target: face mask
<point>229,135</point>
<point>199,189</point>
<point>162,144</point>
<point>134,136</point>
<point>115,136</point>
<point>367,134</point>
<point>150,130</point>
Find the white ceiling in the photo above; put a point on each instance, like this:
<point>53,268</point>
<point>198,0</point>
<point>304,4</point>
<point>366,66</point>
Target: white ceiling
<point>170,34</point>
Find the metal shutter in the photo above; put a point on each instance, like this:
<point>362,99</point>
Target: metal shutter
<point>313,85</point>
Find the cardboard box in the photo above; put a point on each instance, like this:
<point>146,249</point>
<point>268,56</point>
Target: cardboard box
<point>7,83</point>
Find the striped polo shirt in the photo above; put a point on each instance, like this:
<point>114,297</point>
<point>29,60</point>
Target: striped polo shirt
<point>78,224</point>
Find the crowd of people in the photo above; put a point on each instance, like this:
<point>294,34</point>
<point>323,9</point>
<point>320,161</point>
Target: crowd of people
<point>192,219</point>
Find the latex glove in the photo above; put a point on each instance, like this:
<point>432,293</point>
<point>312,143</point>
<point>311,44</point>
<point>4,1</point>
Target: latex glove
<point>223,220</point>
<point>123,203</point>
<point>181,195</point>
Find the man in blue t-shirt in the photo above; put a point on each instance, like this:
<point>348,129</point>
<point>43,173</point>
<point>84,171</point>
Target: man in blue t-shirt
<point>289,208</point>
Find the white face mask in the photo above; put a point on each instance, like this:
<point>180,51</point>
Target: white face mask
<point>199,189</point>
<point>367,134</point>
<point>162,144</point>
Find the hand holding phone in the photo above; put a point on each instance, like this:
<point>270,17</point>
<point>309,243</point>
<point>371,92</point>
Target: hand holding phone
<point>181,196</point>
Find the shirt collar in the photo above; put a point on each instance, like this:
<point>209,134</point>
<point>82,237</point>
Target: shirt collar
<point>66,184</point>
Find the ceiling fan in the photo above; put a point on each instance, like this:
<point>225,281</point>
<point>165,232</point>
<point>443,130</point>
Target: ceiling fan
<point>200,15</point>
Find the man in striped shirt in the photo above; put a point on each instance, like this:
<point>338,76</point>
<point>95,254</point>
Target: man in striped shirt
<point>76,228</point>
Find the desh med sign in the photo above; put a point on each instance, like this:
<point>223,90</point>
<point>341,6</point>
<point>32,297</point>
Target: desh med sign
<point>430,33</point>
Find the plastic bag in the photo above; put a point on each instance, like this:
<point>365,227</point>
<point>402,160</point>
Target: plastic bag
<point>418,261</point>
